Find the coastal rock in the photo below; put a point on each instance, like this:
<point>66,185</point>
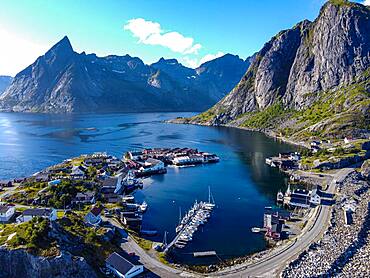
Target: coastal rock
<point>19,263</point>
<point>365,169</point>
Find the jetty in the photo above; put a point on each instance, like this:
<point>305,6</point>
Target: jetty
<point>205,254</point>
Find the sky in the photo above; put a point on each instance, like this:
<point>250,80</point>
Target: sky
<point>190,31</point>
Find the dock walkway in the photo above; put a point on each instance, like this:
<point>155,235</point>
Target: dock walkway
<point>205,254</point>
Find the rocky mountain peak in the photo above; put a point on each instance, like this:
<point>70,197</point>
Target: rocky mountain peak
<point>167,61</point>
<point>63,47</point>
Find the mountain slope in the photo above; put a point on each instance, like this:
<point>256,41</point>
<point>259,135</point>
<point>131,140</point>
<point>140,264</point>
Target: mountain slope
<point>63,81</point>
<point>311,80</point>
<point>4,82</point>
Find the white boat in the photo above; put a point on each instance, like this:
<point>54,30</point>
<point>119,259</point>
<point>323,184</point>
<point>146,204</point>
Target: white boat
<point>143,207</point>
<point>256,230</point>
<point>128,198</point>
<point>179,245</point>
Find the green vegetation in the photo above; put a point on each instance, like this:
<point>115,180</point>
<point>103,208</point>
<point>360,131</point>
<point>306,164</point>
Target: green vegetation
<point>62,194</point>
<point>162,257</point>
<point>26,193</point>
<point>340,3</point>
<point>142,242</point>
<point>339,153</point>
<point>265,118</point>
<point>32,235</point>
<point>205,117</point>
<point>95,249</point>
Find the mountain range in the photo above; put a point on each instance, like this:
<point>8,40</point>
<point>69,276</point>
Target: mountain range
<point>64,81</point>
<point>310,80</point>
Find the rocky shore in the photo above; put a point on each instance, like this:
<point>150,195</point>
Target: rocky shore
<point>267,132</point>
<point>19,263</point>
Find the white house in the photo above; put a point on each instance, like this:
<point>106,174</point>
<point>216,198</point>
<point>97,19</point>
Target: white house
<point>315,199</point>
<point>6,212</point>
<point>121,267</point>
<point>78,173</point>
<point>184,160</point>
<point>347,140</point>
<point>46,213</point>
<point>152,165</point>
<point>93,217</point>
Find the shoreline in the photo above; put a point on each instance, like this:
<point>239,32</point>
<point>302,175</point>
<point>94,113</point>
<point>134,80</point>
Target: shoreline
<point>268,133</point>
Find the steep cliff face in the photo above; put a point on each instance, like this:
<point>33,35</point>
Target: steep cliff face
<point>321,62</point>
<point>63,81</point>
<point>335,50</point>
<point>18,263</point>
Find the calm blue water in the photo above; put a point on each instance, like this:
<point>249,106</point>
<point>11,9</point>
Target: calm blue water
<point>241,183</point>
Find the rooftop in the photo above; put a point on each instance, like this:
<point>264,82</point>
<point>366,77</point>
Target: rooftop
<point>5,208</point>
<point>37,212</point>
<point>119,263</point>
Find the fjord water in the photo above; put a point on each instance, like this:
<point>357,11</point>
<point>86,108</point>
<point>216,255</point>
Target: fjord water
<point>242,185</point>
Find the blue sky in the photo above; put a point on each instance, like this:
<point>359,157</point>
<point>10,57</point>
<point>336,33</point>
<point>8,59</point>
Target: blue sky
<point>148,29</point>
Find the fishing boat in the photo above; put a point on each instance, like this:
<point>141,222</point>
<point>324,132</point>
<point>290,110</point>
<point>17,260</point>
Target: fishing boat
<point>280,197</point>
<point>180,245</point>
<point>256,230</point>
<point>128,198</point>
<point>143,207</point>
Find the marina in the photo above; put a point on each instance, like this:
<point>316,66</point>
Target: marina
<point>198,215</point>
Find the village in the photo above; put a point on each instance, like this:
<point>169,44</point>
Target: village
<point>92,194</point>
<point>313,184</point>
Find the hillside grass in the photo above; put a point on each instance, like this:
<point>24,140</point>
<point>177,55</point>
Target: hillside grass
<point>265,118</point>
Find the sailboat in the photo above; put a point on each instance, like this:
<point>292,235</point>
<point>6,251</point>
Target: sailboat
<point>211,202</point>
<point>180,226</point>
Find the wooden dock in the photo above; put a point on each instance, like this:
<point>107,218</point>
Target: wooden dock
<point>205,254</point>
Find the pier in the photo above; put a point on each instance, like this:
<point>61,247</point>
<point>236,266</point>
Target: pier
<point>205,254</point>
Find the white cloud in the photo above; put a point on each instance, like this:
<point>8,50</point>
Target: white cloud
<point>194,62</point>
<point>189,62</point>
<point>210,57</point>
<point>366,3</point>
<point>16,53</point>
<point>149,32</point>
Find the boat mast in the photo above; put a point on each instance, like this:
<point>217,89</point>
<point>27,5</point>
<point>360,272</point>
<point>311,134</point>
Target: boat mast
<point>180,215</point>
<point>211,200</point>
